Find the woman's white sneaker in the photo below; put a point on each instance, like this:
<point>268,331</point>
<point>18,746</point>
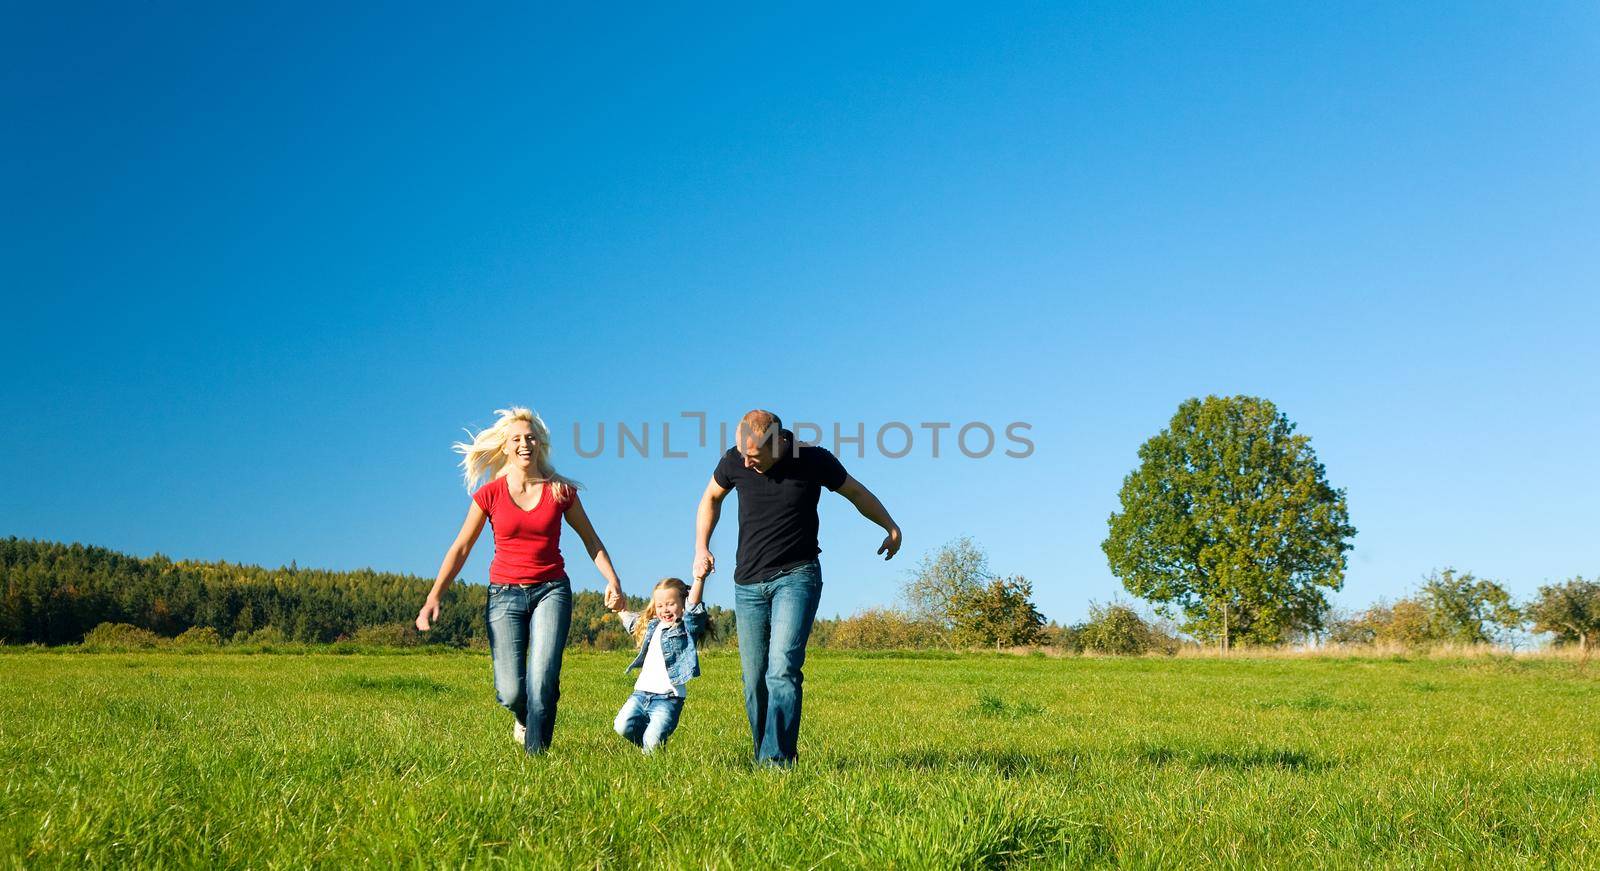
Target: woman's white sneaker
<point>519,732</point>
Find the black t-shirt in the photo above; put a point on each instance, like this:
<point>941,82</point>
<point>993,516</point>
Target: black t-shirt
<point>778,510</point>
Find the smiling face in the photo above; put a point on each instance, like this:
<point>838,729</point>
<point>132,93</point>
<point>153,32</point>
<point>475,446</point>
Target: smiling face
<point>668,604</point>
<point>521,449</point>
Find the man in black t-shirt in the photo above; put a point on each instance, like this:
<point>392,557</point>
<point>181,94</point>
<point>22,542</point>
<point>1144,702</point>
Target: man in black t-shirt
<point>778,581</point>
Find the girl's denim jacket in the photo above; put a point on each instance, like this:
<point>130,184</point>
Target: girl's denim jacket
<point>677,642</point>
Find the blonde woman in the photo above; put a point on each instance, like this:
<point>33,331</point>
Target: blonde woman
<point>530,598</point>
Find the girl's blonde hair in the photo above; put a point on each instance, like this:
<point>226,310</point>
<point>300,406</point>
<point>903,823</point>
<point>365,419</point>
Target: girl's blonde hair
<point>484,456</point>
<point>677,586</point>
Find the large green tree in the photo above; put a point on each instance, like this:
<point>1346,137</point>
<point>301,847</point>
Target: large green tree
<point>1230,519</point>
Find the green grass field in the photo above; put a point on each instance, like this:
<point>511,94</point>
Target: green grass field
<point>165,759</point>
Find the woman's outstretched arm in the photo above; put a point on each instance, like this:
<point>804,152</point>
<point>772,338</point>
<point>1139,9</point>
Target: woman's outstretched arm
<point>454,559</point>
<point>578,519</point>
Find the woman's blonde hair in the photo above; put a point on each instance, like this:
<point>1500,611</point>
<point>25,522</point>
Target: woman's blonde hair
<point>484,456</point>
<point>677,586</point>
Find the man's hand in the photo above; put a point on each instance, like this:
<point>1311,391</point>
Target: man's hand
<point>873,510</point>
<point>891,544</point>
<point>428,614</point>
<point>704,564</point>
<point>615,600</point>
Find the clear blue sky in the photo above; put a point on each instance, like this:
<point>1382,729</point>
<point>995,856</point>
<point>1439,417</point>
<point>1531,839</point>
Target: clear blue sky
<point>261,265</point>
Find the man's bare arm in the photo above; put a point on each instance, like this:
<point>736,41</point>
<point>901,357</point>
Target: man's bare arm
<point>873,510</point>
<point>705,521</point>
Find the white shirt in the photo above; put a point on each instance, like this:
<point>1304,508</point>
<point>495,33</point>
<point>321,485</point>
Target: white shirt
<point>653,674</point>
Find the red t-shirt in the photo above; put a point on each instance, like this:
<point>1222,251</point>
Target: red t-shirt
<point>527,544</point>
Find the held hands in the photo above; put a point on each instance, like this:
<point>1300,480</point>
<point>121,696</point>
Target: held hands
<point>428,614</point>
<point>615,600</point>
<point>891,544</point>
<point>704,564</point>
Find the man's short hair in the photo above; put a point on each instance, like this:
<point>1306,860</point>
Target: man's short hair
<point>759,425</point>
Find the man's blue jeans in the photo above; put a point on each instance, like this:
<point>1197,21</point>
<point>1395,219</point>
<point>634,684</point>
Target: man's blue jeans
<point>528,626</point>
<point>774,619</point>
<point>648,719</point>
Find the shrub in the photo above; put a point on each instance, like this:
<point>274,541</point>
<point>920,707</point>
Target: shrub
<point>268,634</point>
<point>1066,638</point>
<point>1118,629</point>
<point>1570,610</point>
<point>198,636</point>
<point>1464,609</point>
<point>388,635</point>
<point>884,629</point>
<point>1449,608</point>
<point>1115,629</point>
<point>998,614</point>
<point>108,637</point>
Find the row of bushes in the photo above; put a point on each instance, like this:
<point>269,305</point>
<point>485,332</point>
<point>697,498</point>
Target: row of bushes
<point>1457,609</point>
<point>123,637</point>
<point>1111,629</point>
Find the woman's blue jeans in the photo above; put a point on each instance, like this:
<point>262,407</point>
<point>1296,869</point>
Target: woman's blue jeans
<point>528,626</point>
<point>774,619</point>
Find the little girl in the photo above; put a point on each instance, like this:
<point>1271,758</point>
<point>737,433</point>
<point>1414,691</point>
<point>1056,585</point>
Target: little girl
<point>666,633</point>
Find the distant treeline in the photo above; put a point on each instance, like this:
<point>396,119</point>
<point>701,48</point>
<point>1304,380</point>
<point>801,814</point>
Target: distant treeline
<point>53,593</point>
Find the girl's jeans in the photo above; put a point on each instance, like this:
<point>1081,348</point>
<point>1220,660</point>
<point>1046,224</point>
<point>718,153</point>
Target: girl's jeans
<point>647,719</point>
<point>528,626</point>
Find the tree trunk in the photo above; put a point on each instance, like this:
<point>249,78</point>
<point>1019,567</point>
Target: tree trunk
<point>1224,627</point>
